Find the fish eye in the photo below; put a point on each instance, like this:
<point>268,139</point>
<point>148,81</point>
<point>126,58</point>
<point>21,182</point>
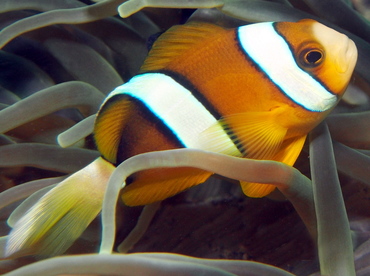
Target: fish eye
<point>312,57</point>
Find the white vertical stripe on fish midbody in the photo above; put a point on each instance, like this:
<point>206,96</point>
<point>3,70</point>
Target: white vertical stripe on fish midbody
<point>176,107</point>
<point>272,54</point>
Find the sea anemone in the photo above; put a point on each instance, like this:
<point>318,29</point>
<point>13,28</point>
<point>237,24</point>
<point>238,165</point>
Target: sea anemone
<point>60,59</point>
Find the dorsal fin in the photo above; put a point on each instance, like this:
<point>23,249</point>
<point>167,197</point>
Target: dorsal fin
<point>176,41</point>
<point>109,125</point>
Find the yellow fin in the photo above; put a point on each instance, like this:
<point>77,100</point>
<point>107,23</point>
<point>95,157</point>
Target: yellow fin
<point>290,150</point>
<point>288,154</point>
<point>175,41</point>
<point>256,134</point>
<point>109,125</point>
<point>155,185</point>
<point>62,214</point>
<point>256,190</point>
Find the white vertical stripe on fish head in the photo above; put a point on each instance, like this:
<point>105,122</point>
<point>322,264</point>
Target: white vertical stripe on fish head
<point>273,56</point>
<point>177,108</point>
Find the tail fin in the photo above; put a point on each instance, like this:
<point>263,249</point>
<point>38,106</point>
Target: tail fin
<point>52,225</point>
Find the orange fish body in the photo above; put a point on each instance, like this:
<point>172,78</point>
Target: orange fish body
<point>254,92</point>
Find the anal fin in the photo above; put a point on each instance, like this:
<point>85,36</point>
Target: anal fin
<point>158,184</point>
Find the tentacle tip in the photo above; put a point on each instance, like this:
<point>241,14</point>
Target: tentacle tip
<point>129,7</point>
<point>60,141</point>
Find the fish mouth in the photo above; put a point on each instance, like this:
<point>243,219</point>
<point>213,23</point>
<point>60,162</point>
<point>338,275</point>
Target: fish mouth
<point>351,51</point>
<point>348,56</point>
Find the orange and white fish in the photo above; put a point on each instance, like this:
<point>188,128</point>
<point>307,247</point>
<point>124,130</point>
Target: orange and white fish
<point>254,91</point>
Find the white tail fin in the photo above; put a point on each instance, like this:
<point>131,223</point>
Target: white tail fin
<point>61,215</point>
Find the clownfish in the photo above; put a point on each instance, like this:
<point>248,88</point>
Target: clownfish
<point>254,91</point>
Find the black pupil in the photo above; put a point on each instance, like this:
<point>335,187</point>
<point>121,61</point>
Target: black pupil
<point>313,57</point>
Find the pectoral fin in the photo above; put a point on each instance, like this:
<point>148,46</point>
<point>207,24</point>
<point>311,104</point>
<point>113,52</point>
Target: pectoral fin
<point>62,214</point>
<point>256,135</point>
